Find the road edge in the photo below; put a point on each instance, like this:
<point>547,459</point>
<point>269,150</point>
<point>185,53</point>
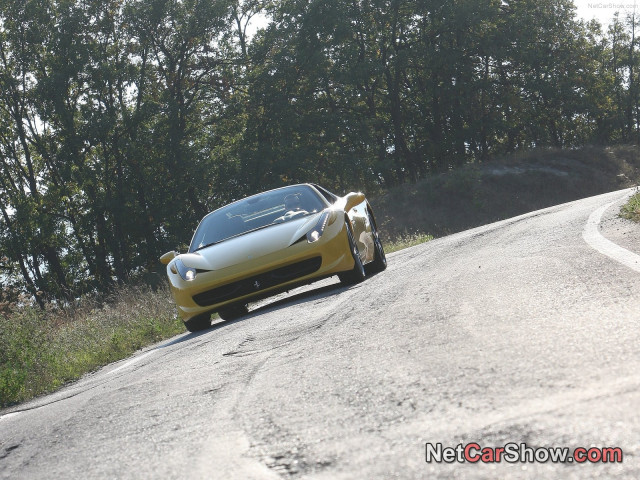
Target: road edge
<point>592,236</point>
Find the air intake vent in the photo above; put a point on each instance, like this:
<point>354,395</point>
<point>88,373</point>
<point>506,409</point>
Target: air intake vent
<point>258,283</point>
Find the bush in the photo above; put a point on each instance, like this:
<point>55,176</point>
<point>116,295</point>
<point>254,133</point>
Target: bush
<point>631,209</point>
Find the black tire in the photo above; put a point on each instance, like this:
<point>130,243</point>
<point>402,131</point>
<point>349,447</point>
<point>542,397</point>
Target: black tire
<point>379,262</point>
<point>233,312</point>
<point>199,323</point>
<point>357,274</point>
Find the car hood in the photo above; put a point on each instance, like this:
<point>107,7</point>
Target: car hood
<point>250,245</point>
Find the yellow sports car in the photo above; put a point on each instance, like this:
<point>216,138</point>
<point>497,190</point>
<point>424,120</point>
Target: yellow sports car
<point>268,243</point>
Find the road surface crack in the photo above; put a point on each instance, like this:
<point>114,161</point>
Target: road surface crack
<point>8,450</point>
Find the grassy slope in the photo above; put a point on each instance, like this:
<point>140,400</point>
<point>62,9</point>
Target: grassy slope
<point>632,209</point>
<point>483,193</point>
<point>40,351</point>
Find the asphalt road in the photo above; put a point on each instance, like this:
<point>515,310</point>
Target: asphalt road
<point>523,331</point>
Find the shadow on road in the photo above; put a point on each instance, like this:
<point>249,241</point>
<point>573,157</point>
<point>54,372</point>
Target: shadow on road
<point>274,305</point>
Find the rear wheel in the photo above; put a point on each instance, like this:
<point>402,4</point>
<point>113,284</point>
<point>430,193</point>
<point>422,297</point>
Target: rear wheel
<point>357,274</point>
<point>198,323</point>
<point>379,262</point>
<point>233,312</point>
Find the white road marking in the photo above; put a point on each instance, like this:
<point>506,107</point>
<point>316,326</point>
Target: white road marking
<point>592,236</point>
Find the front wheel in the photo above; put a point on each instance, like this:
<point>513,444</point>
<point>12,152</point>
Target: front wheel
<point>198,323</point>
<point>357,274</point>
<point>379,262</point>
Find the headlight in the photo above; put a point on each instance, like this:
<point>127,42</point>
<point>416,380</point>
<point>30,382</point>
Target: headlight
<point>327,218</point>
<point>185,272</point>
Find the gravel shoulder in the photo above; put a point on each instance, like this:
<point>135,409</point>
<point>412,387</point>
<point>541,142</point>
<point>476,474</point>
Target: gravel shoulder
<point>621,231</point>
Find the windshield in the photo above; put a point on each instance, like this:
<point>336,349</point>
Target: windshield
<point>253,213</point>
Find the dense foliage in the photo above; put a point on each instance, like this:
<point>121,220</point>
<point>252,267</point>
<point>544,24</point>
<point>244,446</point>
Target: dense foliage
<point>122,122</point>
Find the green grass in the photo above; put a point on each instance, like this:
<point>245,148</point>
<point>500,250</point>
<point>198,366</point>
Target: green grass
<point>405,241</point>
<point>631,209</point>
<point>42,350</point>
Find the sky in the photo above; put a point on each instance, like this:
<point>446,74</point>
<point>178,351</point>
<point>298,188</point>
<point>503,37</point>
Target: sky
<point>603,10</point>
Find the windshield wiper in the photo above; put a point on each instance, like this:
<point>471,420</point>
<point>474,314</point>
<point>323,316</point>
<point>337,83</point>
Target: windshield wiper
<point>207,245</point>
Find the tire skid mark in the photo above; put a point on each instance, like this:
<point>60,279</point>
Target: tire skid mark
<point>227,449</point>
<point>252,345</point>
<point>244,353</point>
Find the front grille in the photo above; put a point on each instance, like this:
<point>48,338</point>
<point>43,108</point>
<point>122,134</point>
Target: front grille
<point>257,283</point>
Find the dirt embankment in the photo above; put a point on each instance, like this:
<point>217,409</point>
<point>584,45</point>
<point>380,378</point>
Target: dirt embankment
<point>483,193</point>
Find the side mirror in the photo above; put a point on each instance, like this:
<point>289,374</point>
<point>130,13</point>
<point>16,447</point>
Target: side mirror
<point>167,257</point>
<point>352,199</point>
